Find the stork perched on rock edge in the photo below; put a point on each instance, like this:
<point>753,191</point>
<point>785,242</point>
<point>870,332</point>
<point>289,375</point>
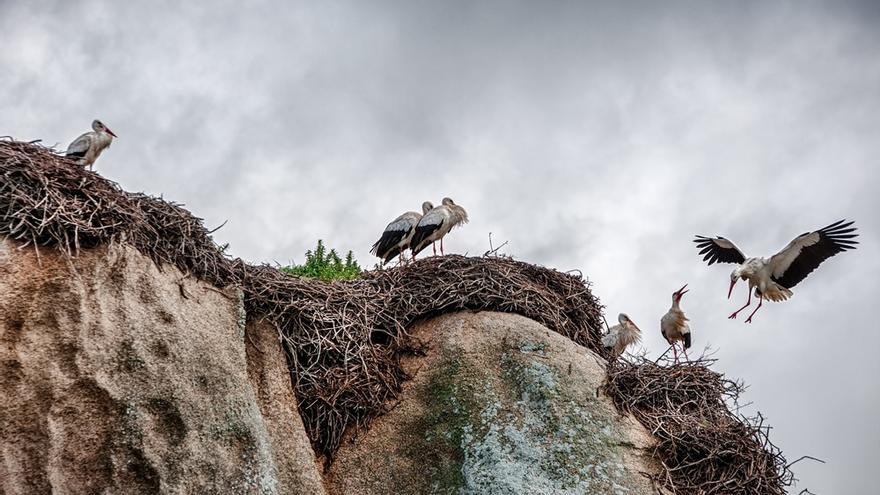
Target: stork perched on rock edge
<point>436,224</point>
<point>674,326</point>
<point>621,336</point>
<point>398,234</point>
<point>89,146</point>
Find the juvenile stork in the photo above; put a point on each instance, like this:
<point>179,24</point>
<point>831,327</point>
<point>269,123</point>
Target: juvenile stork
<point>674,327</point>
<point>397,235</point>
<point>88,147</point>
<point>436,224</point>
<point>773,277</point>
<point>621,336</point>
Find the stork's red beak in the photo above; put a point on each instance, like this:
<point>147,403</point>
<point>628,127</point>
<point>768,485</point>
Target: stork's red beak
<point>730,291</point>
<point>110,132</point>
<point>681,291</point>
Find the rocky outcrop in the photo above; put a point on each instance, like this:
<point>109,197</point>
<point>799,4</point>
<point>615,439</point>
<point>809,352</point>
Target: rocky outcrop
<point>118,377</point>
<point>500,404</point>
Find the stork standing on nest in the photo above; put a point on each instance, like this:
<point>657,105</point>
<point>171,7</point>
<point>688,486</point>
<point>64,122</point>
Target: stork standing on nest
<point>773,277</point>
<point>621,336</point>
<point>398,234</point>
<point>88,147</point>
<point>436,224</point>
<point>674,327</point>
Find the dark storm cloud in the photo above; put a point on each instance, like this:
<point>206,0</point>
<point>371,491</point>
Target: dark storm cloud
<point>592,136</point>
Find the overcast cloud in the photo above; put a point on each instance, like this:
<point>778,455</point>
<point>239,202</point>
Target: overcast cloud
<point>589,136</point>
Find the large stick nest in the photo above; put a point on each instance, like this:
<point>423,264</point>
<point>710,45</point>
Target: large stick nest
<point>704,446</point>
<point>344,340</point>
<point>47,200</point>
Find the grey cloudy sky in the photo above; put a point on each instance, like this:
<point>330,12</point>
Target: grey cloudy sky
<point>592,136</point>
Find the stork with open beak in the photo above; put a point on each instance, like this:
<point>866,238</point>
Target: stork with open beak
<point>621,336</point>
<point>436,224</point>
<point>398,234</point>
<point>772,278</point>
<point>88,147</point>
<point>674,326</point>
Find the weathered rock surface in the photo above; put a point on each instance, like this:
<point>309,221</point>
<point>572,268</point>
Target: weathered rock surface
<point>116,377</point>
<point>500,405</point>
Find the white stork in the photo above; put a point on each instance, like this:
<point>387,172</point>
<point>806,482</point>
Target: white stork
<point>397,235</point>
<point>674,326</point>
<point>436,224</point>
<point>772,278</point>
<point>88,147</point>
<point>621,336</point>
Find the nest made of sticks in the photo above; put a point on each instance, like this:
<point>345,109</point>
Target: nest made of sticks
<point>48,200</point>
<point>345,339</point>
<point>705,447</point>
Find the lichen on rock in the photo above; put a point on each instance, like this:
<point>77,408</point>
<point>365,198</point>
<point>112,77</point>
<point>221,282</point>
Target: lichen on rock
<point>499,405</point>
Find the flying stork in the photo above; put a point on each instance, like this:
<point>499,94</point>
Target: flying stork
<point>88,147</point>
<point>397,235</point>
<point>436,224</point>
<point>772,278</point>
<point>621,336</point>
<point>674,326</point>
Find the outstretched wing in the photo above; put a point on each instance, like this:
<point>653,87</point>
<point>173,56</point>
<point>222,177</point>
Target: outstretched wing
<point>719,250</point>
<point>395,232</point>
<point>430,223</point>
<point>80,146</point>
<point>807,251</point>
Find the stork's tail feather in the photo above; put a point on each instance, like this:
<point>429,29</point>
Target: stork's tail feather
<point>783,294</point>
<point>777,293</point>
<point>392,253</point>
<point>687,340</point>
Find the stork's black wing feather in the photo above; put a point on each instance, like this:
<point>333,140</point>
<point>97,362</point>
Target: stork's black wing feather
<point>423,231</point>
<point>807,251</point>
<point>718,250</point>
<point>394,251</point>
<point>387,242</point>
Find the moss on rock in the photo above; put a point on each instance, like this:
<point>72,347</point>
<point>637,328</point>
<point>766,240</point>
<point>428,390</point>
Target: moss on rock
<point>499,406</point>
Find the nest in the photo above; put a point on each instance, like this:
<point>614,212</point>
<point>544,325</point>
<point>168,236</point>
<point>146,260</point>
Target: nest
<point>48,200</point>
<point>704,446</point>
<point>345,340</point>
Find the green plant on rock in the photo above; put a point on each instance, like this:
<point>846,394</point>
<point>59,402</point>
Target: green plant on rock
<point>325,265</point>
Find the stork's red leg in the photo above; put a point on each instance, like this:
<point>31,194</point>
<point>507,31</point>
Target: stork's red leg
<point>675,352</point>
<point>685,351</point>
<point>434,245</point>
<point>760,302</point>
<point>733,315</point>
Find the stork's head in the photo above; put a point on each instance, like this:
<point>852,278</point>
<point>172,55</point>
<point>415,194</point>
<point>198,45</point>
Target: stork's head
<point>99,126</point>
<point>427,206</point>
<point>625,320</point>
<point>735,275</point>
<point>448,201</point>
<point>676,296</point>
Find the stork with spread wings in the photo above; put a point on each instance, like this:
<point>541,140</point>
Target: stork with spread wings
<point>773,277</point>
